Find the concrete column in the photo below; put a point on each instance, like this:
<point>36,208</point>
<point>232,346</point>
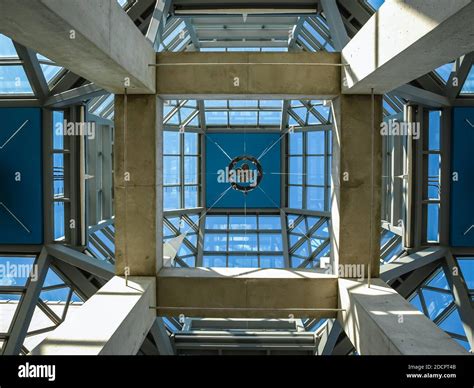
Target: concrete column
<point>137,184</point>
<point>378,321</point>
<point>115,321</point>
<point>356,180</point>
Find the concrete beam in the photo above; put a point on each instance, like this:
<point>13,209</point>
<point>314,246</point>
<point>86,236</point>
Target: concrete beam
<point>245,293</point>
<point>115,321</point>
<point>409,263</point>
<point>422,96</point>
<point>137,184</point>
<point>378,321</point>
<point>336,25</point>
<point>240,75</point>
<point>101,269</point>
<point>355,175</point>
<point>94,39</point>
<point>404,40</point>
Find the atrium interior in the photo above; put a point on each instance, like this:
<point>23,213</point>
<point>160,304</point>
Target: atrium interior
<point>226,177</point>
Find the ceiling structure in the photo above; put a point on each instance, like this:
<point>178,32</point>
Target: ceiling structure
<point>293,232</point>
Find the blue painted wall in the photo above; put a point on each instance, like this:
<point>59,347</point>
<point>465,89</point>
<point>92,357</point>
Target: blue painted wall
<point>236,144</point>
<point>24,199</point>
<point>462,191</point>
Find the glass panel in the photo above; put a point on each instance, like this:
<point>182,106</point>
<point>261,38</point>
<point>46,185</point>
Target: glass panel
<point>315,142</point>
<point>439,281</point>
<point>269,222</point>
<point>269,118</point>
<point>171,198</point>
<point>15,270</point>
<point>58,209</point>
<point>295,197</point>
<point>452,323</point>
<point>7,50</point>
<point>14,80</point>
<point>215,242</point>
<point>216,222</point>
<point>296,170</point>
<point>468,87</point>
<point>243,118</point>
<point>171,170</point>
<point>243,261</point>
<point>171,141</point>
<point>434,130</point>
<point>295,140</point>
<point>436,302</point>
<point>445,71</point>
<point>190,143</point>
<point>58,126</point>
<point>432,222</point>
<point>434,166</point>
<point>315,167</point>
<point>315,198</point>
<point>190,169</point>
<point>216,118</point>
<point>190,197</point>
<point>214,261</point>
<point>242,222</point>
<point>467,269</point>
<point>270,242</point>
<point>242,242</point>
<point>271,262</point>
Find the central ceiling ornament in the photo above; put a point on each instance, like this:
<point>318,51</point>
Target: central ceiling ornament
<point>244,173</point>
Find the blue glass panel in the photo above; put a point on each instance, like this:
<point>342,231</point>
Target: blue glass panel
<point>58,130</point>
<point>271,262</point>
<point>243,261</point>
<point>434,130</point>
<point>416,302</point>
<point>191,170</point>
<point>453,324</point>
<point>171,198</point>
<point>242,242</point>
<point>315,167</point>
<point>243,118</point>
<point>439,281</point>
<point>215,242</point>
<point>214,261</point>
<point>315,198</point>
<point>467,269</point>
<point>445,71</point>
<point>216,118</point>
<point>432,223</point>
<point>171,142</point>
<point>190,197</point>
<point>295,140</point>
<point>295,197</point>
<point>269,118</point>
<point>14,80</point>
<point>269,222</point>
<point>436,302</point>
<point>296,261</point>
<point>171,170</point>
<point>315,142</point>
<point>7,50</point>
<point>295,170</point>
<point>242,222</point>
<point>270,242</point>
<point>58,209</point>
<point>468,87</point>
<point>190,143</point>
<point>216,222</point>
<point>15,271</point>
